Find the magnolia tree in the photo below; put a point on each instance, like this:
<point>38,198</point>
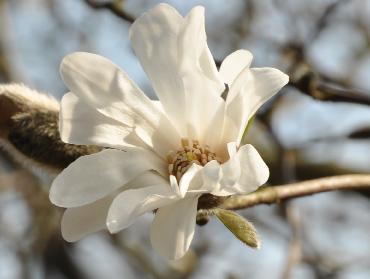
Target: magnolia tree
<point>114,154</point>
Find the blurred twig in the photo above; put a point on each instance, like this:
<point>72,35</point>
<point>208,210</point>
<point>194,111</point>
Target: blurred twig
<point>276,194</point>
<point>295,250</point>
<point>114,7</point>
<point>5,73</point>
<point>363,133</point>
<point>310,84</point>
<point>58,257</point>
<point>322,22</point>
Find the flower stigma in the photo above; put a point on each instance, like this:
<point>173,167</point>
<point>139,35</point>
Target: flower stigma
<point>190,153</point>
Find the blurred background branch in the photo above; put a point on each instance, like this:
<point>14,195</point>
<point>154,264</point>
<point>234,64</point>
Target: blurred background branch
<point>113,6</point>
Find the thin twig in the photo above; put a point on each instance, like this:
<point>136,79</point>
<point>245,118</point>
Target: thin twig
<point>113,7</point>
<point>275,194</point>
<point>323,21</point>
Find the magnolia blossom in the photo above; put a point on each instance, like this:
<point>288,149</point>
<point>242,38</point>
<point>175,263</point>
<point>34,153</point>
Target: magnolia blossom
<point>160,156</point>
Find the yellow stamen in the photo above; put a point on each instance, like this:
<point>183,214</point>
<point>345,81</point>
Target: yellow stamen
<point>191,153</point>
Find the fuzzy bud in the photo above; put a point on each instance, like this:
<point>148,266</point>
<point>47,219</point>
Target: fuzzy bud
<point>239,226</point>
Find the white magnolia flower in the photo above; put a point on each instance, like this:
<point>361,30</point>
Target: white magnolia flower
<point>161,156</point>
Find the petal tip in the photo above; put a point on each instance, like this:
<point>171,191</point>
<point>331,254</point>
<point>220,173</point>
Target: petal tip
<point>285,78</point>
<point>66,61</point>
<point>54,196</point>
<point>68,238</point>
<point>112,225</point>
<point>199,9</point>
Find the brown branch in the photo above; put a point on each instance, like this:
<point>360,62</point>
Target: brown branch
<point>114,7</point>
<point>363,133</point>
<point>276,194</point>
<point>311,85</point>
<point>337,94</point>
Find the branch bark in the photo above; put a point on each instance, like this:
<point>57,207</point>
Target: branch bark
<point>311,85</point>
<point>275,194</point>
<point>113,7</point>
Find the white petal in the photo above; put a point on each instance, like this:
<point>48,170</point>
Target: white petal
<point>80,221</point>
<point>254,171</point>
<point>173,228</point>
<point>81,124</point>
<point>250,90</point>
<point>163,40</point>
<point>102,85</point>
<point>145,179</point>
<point>233,64</point>
<point>154,39</point>
<point>206,179</point>
<point>204,106</point>
<point>186,182</point>
<point>208,66</point>
<point>243,173</point>
<point>131,204</point>
<point>187,178</point>
<point>94,176</point>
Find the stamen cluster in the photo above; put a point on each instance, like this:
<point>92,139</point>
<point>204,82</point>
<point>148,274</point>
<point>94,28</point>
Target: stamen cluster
<point>191,153</point>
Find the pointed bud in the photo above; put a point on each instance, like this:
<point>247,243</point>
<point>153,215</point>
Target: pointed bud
<point>239,226</point>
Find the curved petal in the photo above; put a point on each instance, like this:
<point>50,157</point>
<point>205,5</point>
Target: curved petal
<point>208,66</point>
<point>81,124</point>
<point>102,85</point>
<point>186,182</point>
<point>173,228</point>
<point>243,173</point>
<point>131,204</point>
<point>204,105</point>
<point>92,177</point>
<point>249,91</point>
<point>78,222</point>
<point>163,37</point>
<point>254,171</point>
<point>233,64</point>
<point>154,40</point>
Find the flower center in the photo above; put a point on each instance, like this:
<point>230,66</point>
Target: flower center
<point>190,153</point>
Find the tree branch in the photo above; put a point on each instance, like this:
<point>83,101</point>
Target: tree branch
<point>113,7</point>
<point>311,85</point>
<point>275,194</point>
<point>363,133</point>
